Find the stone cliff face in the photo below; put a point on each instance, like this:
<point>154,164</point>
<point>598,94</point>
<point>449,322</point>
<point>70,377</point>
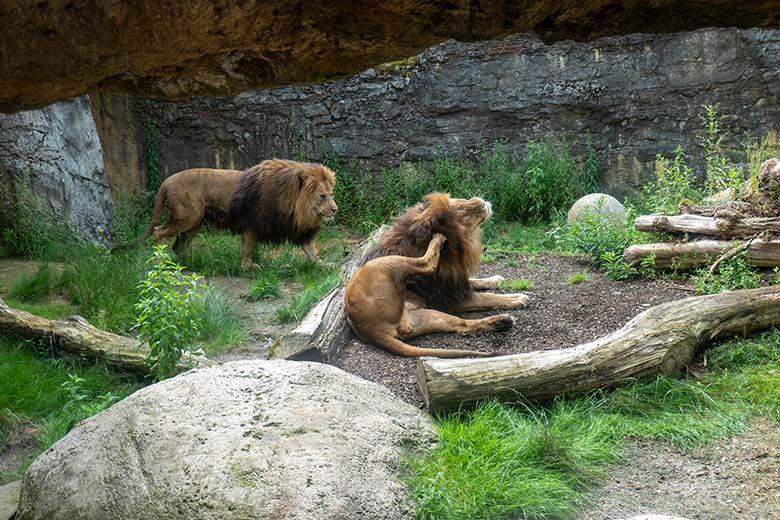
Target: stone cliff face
<point>55,49</point>
<point>57,149</point>
<point>634,96</point>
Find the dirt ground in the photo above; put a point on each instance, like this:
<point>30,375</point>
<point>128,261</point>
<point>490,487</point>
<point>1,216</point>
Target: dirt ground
<point>560,315</point>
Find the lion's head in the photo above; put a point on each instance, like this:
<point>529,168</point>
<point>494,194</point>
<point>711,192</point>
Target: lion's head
<point>284,200</point>
<point>457,219</point>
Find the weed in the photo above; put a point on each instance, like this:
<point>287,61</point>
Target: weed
<point>512,262</point>
<point>576,278</point>
<point>674,184</point>
<point>170,310</point>
<point>26,230</point>
<point>486,258</point>
<point>31,288</point>
<point>597,235</point>
<point>264,286</point>
<point>220,325</point>
<point>312,291</point>
<point>720,175</point>
<point>615,267</point>
<point>734,273</point>
<point>517,284</point>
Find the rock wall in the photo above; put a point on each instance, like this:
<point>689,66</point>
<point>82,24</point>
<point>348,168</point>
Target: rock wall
<point>634,96</point>
<point>57,149</point>
<point>54,49</point>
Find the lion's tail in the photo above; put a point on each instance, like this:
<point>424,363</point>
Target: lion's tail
<point>396,346</point>
<point>159,205</point>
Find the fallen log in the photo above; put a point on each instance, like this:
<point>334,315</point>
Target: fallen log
<point>684,255</point>
<point>76,336</point>
<point>662,339</point>
<point>324,329</point>
<point>723,224</point>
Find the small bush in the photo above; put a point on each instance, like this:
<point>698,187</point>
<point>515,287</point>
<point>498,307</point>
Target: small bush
<point>734,273</point>
<point>674,184</point>
<point>615,267</point>
<point>576,278</point>
<point>597,235</point>
<point>170,310</point>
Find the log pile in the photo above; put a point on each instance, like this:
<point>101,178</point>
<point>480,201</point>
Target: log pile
<point>707,234</point>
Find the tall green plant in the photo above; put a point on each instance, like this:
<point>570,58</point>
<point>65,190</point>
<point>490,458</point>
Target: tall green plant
<point>169,311</point>
<point>674,184</point>
<point>26,230</point>
<point>720,175</point>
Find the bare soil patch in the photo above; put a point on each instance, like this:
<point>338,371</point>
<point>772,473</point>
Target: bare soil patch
<point>736,479</point>
<point>561,315</point>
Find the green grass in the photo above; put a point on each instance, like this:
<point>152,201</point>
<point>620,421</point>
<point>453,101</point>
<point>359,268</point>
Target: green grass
<point>221,327</point>
<point>265,286</point>
<point>32,394</point>
<point>53,310</point>
<point>576,278</point>
<point>539,461</point>
<point>313,289</point>
<point>33,287</point>
<point>517,284</point>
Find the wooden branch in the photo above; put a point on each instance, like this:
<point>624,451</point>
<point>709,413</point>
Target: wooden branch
<point>661,339</point>
<point>76,336</point>
<point>676,224</point>
<point>324,330</point>
<point>725,224</point>
<point>684,255</point>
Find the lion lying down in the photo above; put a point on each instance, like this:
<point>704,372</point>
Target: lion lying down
<point>274,201</point>
<point>419,270</point>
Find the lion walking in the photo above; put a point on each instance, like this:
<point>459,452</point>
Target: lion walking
<point>274,201</point>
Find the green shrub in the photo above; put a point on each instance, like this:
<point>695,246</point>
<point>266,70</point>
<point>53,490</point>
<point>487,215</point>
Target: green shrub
<point>597,235</point>
<point>674,184</point>
<point>169,311</point>
<point>615,267</point>
<point>719,174</point>
<point>734,273</point>
<point>576,278</point>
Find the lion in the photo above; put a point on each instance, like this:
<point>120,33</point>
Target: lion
<point>419,273</point>
<point>274,201</point>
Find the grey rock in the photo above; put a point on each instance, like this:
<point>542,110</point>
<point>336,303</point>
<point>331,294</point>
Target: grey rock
<point>9,499</point>
<point>600,203</point>
<point>633,96</point>
<point>248,439</point>
<point>58,151</point>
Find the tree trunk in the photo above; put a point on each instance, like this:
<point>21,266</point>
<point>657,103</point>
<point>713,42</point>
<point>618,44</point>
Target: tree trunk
<point>684,255</point>
<point>720,225</point>
<point>661,339</point>
<point>324,330</point>
<point>76,336</point>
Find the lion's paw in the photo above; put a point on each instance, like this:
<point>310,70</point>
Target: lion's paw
<point>504,322</point>
<point>518,301</point>
<point>495,280</point>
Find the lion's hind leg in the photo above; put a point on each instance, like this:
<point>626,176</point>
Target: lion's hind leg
<point>429,321</point>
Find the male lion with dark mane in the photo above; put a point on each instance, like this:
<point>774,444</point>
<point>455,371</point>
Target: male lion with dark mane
<point>419,272</point>
<point>274,201</point>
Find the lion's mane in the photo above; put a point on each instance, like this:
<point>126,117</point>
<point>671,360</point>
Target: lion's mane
<point>410,234</point>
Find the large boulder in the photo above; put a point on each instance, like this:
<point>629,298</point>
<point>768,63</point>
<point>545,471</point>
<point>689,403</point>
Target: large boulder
<point>249,439</point>
<point>598,203</point>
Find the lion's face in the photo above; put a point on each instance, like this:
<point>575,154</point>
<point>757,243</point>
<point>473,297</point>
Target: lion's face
<point>315,203</point>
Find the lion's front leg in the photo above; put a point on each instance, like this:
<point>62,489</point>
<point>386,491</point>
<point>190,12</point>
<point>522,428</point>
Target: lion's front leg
<point>480,284</point>
<point>248,242</point>
<point>310,248</point>
<point>480,301</point>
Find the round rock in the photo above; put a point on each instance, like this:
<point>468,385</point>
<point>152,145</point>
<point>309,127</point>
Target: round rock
<point>248,439</point>
<point>599,202</point>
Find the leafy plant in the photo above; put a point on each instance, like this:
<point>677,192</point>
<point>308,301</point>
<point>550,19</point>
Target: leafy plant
<point>734,273</point>
<point>169,311</point>
<point>26,230</point>
<point>615,267</point>
<point>674,184</point>
<point>596,234</point>
<point>720,175</point>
